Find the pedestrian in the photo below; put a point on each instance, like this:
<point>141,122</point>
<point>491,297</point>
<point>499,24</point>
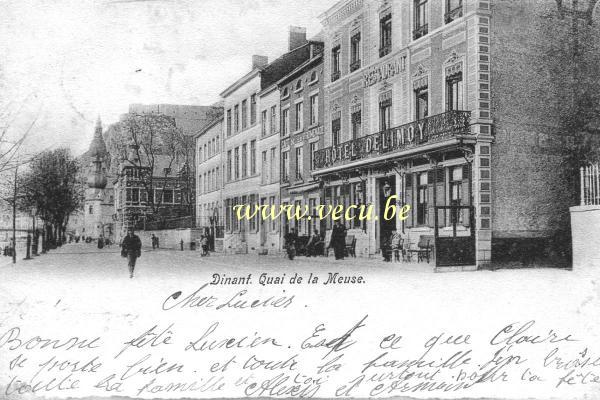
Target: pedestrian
<point>338,240</point>
<point>204,244</point>
<point>312,248</point>
<point>157,243</point>
<point>132,249</point>
<point>100,242</point>
<point>153,242</point>
<point>290,240</point>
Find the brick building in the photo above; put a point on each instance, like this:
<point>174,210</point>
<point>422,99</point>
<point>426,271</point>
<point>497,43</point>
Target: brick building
<point>451,106</point>
<point>301,93</point>
<point>209,182</point>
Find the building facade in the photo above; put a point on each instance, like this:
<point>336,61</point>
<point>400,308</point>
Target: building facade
<point>301,97</point>
<point>209,183</point>
<point>416,114</point>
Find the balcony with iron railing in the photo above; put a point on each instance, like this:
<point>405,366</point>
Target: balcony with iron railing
<point>420,31</point>
<point>453,14</point>
<point>435,129</point>
<point>590,185</point>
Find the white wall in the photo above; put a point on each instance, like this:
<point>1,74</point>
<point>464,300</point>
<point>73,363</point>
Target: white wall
<point>585,230</point>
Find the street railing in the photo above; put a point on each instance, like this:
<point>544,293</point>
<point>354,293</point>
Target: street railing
<point>590,185</point>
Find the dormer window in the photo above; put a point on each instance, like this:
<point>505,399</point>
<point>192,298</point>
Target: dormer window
<point>299,85</point>
<point>313,77</point>
<point>286,93</point>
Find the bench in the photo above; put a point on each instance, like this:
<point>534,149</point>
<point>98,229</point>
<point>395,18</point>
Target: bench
<point>424,248</point>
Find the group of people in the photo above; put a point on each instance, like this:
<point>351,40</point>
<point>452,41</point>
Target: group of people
<point>155,242</point>
<point>316,243</point>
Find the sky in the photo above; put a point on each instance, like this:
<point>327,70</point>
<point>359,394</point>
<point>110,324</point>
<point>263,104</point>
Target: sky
<point>63,63</point>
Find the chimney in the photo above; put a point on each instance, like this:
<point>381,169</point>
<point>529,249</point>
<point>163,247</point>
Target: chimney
<point>297,37</point>
<point>259,61</point>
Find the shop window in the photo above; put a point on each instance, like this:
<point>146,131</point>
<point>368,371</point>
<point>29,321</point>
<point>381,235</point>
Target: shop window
<point>422,199</point>
<point>454,10</point>
<point>421,103</point>
<point>385,35</point>
<point>454,92</point>
<point>456,193</point>
<point>335,63</point>
<point>421,19</point>
<point>355,52</point>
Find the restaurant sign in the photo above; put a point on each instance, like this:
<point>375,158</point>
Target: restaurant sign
<point>414,134</point>
<point>384,71</point>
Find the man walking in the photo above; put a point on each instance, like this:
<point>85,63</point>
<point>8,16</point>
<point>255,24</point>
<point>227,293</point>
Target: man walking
<point>132,249</point>
<point>338,240</point>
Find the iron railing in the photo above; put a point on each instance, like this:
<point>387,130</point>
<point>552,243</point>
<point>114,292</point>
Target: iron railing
<point>414,134</point>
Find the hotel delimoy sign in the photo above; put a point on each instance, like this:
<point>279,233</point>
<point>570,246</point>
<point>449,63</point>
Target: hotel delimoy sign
<point>435,128</point>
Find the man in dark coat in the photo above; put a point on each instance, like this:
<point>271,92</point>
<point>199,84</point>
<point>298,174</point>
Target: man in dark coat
<point>338,240</point>
<point>132,248</point>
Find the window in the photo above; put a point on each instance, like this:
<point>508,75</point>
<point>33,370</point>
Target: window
<point>217,145</point>
<point>228,215</point>
<point>244,160</point>
<point>385,112</point>
<point>336,130</point>
<point>168,196</point>
<point>314,109</point>
<point>264,169</point>
<point>273,165</point>
<point>313,77</point>
<point>285,163</point>
<point>252,109</point>
<point>217,179</point>
<point>299,164</point>
<point>299,117</point>
<point>286,93</point>
<point>244,114</point>
<point>252,223</point>
<point>454,10</point>
<point>273,119</point>
<point>205,154</point>
<point>313,150</point>
<point>236,118</point>
<point>274,220</point>
<point>422,194</point>
<point>299,85</point>
<point>200,159</point>
<point>228,165</point>
<point>456,180</point>
<point>252,157</point>
<point>355,52</point>
<point>91,209</point>
<point>263,122</point>
<point>454,92</point>
<point>421,21</point>
<point>385,35</point>
<point>285,121</point>
<point>421,103</point>
<point>229,122</point>
<point>236,163</point>
<point>335,63</point>
<point>356,124</point>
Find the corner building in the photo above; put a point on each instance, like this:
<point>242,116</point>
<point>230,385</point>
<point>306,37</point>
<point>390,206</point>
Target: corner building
<point>414,107</point>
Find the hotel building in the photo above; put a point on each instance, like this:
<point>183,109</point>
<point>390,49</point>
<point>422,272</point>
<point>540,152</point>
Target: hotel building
<point>449,106</point>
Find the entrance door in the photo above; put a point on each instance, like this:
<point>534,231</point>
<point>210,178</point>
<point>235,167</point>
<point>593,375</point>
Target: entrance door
<point>454,251</point>
<point>263,225</point>
<point>387,188</point>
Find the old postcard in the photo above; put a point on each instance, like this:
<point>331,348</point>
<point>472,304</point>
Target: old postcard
<point>207,199</point>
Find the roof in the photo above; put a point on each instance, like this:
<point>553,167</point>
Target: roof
<point>287,63</point>
<point>209,125</point>
<point>317,59</point>
<point>240,82</point>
